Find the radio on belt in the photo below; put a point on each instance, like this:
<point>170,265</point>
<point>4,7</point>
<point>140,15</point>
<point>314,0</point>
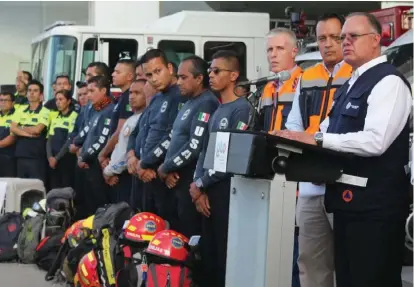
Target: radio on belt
<point>263,200</point>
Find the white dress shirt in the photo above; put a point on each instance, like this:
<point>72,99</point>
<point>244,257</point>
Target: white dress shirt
<point>389,106</point>
<point>294,123</point>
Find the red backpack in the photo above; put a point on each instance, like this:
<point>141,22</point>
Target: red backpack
<point>168,276</point>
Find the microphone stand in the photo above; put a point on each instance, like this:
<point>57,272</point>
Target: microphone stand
<point>253,98</point>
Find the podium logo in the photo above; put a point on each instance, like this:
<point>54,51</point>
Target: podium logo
<point>221,148</point>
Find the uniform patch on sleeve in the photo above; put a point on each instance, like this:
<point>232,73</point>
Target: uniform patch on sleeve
<point>241,126</point>
<point>203,117</point>
<point>107,121</point>
<point>128,108</point>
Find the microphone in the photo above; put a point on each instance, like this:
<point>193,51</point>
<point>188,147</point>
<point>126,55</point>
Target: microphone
<point>282,76</point>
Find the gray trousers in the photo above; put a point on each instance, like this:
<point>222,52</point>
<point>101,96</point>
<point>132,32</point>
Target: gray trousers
<point>316,243</point>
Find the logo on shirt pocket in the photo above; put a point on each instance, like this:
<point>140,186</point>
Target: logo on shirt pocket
<point>164,106</point>
<point>223,123</point>
<point>185,115</point>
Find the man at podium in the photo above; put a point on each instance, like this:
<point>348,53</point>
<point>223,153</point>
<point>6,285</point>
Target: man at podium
<point>313,101</point>
<point>370,119</point>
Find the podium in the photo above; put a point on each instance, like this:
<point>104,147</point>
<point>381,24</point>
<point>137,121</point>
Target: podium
<point>263,200</point>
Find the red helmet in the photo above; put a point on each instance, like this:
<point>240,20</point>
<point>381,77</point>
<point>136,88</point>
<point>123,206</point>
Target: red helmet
<point>169,244</point>
<point>88,275</point>
<point>73,231</point>
<point>143,226</point>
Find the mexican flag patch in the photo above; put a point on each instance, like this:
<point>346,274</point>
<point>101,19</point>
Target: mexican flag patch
<point>241,126</point>
<point>203,117</point>
<point>107,121</point>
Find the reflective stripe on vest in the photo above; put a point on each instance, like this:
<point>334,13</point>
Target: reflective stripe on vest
<point>314,102</point>
<point>285,96</point>
<point>63,122</point>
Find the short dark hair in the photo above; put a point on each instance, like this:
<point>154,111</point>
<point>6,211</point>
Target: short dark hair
<point>372,20</point>
<point>128,62</point>
<point>63,76</point>
<point>328,16</point>
<point>36,83</point>
<point>67,94</point>
<point>101,82</point>
<point>81,85</point>
<point>199,68</point>
<point>153,54</point>
<point>102,69</point>
<point>10,94</point>
<point>242,78</point>
<point>28,75</point>
<point>229,56</point>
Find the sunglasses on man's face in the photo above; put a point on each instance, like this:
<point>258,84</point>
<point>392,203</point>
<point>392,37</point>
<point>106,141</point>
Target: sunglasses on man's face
<point>217,71</point>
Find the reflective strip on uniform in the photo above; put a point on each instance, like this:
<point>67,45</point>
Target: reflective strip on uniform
<point>339,81</point>
<point>313,83</point>
<point>353,180</point>
<point>266,102</point>
<point>286,97</point>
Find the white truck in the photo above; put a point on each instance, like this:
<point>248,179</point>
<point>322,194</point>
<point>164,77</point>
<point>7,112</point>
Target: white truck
<point>65,48</point>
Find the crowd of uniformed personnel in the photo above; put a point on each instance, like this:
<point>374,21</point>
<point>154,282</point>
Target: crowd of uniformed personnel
<point>147,147</point>
<point>144,147</point>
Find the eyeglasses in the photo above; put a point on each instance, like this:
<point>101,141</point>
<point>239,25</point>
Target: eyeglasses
<point>353,36</point>
<point>217,71</point>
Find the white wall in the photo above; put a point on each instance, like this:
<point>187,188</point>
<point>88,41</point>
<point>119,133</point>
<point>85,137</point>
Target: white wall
<point>20,22</point>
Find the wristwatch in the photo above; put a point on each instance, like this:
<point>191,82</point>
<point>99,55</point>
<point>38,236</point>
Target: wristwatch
<point>318,137</point>
<point>199,183</point>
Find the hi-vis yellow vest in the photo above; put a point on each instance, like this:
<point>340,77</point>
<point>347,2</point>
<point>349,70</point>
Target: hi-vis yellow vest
<point>317,90</point>
<point>276,104</point>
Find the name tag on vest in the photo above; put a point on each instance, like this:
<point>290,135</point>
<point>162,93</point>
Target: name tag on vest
<point>35,120</point>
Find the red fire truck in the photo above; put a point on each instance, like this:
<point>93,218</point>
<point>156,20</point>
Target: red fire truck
<point>395,21</point>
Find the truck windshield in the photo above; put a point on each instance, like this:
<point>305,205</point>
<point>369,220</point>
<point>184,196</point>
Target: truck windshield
<point>52,57</point>
<point>402,58</point>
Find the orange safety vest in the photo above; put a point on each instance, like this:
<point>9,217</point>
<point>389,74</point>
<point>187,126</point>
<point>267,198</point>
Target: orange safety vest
<point>276,104</point>
<point>315,84</point>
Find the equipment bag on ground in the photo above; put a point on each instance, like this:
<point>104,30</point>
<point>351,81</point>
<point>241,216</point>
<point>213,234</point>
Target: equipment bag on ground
<point>113,216</point>
<point>47,251</point>
<point>10,227</point>
<point>60,209</point>
<point>162,275</point>
<point>29,238</point>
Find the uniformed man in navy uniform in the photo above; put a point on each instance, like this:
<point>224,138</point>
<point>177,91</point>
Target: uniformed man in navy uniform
<point>370,119</point>
<point>188,134</point>
<point>94,137</point>
<point>162,112</point>
<point>31,130</point>
<point>211,190</point>
<point>7,140</point>
<point>136,140</point>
